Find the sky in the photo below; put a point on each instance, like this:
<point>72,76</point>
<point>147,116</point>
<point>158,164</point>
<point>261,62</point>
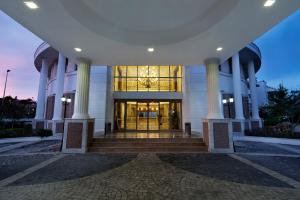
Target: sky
<point>280,48</point>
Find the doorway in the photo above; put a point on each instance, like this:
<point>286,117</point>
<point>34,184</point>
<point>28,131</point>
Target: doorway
<point>147,115</point>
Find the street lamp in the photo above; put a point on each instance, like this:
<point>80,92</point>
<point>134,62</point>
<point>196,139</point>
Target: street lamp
<point>4,90</point>
<point>228,102</point>
<point>65,101</point>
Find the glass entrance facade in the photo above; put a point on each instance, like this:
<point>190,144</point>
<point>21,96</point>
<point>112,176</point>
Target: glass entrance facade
<point>147,115</point>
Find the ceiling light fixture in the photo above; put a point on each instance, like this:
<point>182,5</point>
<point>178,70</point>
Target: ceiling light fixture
<point>269,3</point>
<point>31,4</point>
<point>150,49</point>
<point>219,48</point>
<point>78,49</point>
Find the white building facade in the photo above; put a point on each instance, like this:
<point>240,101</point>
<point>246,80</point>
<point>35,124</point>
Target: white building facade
<point>148,98</point>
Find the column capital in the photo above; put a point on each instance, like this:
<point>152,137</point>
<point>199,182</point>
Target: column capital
<point>209,61</point>
<point>84,61</point>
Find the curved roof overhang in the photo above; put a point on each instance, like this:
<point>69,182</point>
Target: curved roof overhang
<point>250,53</point>
<point>45,51</point>
<point>181,32</point>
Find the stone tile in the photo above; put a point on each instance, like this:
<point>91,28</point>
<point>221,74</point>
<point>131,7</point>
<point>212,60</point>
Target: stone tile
<point>258,147</point>
<point>147,177</point>
<point>10,165</point>
<point>43,146</point>
<point>76,166</point>
<point>221,167</point>
<point>288,166</point>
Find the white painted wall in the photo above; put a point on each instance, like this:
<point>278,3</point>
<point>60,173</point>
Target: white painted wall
<point>196,92</point>
<point>97,100</point>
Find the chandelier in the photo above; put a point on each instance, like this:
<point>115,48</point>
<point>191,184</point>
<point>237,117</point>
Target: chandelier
<point>147,76</point>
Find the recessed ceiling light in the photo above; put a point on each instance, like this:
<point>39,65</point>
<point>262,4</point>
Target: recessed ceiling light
<point>269,3</point>
<point>151,49</point>
<point>219,48</point>
<point>31,4</point>
<point>78,49</point>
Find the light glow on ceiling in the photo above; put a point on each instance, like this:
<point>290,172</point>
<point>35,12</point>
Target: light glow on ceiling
<point>269,3</point>
<point>150,49</point>
<point>219,49</point>
<point>78,49</point>
<point>31,4</point>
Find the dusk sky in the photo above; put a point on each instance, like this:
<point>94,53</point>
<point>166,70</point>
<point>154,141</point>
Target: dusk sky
<point>280,48</point>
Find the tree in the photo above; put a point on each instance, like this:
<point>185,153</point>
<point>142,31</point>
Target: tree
<point>284,106</point>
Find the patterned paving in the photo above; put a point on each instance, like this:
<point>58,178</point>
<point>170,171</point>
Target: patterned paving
<point>149,177</point>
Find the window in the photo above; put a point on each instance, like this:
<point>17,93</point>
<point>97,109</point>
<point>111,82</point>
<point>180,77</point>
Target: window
<point>148,78</point>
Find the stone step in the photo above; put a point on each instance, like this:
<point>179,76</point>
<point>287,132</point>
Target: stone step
<point>158,140</point>
<point>185,149</point>
<point>146,144</point>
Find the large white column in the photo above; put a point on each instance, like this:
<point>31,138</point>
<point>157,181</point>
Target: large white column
<point>59,92</point>
<point>252,83</point>
<point>40,107</point>
<point>82,91</point>
<point>213,91</point>
<point>236,73</point>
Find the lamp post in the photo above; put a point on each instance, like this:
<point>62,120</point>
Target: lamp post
<point>228,102</point>
<point>65,101</point>
<point>4,90</point>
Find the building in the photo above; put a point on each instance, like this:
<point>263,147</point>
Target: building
<point>148,98</point>
<point>127,69</point>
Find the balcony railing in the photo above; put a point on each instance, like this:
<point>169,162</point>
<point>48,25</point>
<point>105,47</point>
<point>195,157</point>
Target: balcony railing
<point>40,49</point>
<point>254,48</point>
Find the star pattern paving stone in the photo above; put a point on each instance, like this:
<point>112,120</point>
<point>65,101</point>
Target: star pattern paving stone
<point>147,177</point>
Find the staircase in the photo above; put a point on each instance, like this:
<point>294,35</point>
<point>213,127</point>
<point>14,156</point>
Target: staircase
<point>153,145</point>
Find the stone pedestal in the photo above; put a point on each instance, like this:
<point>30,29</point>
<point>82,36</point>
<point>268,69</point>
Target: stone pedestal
<point>255,124</point>
<point>238,126</point>
<point>39,123</point>
<point>78,135</point>
<point>217,135</point>
<point>57,126</point>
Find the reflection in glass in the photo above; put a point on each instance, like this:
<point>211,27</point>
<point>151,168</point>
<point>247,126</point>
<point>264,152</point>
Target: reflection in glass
<point>142,116</point>
<point>131,111</point>
<point>148,78</point>
<point>164,115</point>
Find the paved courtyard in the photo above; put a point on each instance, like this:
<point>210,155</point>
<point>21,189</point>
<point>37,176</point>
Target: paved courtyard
<point>256,171</point>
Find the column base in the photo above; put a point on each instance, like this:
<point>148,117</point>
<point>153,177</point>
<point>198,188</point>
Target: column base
<point>239,126</point>
<point>255,124</point>
<point>217,135</point>
<point>57,126</point>
<point>78,135</point>
<point>39,123</point>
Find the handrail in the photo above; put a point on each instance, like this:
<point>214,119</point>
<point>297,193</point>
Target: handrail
<point>41,46</point>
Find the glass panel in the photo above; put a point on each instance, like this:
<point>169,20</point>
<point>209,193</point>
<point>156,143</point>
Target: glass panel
<point>175,71</point>
<point>175,116</point>
<point>131,115</point>
<point>120,71</point>
<point>132,84</point>
<point>120,84</point>
<point>164,115</point>
<point>175,85</point>
<point>119,115</point>
<point>164,71</point>
<point>153,78</point>
<point>132,71</point>
<point>142,116</point>
<point>143,81</point>
<point>164,84</point>
<point>153,116</point>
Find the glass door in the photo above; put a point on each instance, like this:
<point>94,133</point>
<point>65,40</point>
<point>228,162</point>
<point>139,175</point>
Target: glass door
<point>131,113</point>
<point>142,116</point>
<point>164,115</point>
<point>153,121</point>
<point>119,116</point>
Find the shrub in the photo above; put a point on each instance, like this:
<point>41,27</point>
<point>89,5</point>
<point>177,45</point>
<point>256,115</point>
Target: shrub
<point>272,132</point>
<point>44,132</point>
